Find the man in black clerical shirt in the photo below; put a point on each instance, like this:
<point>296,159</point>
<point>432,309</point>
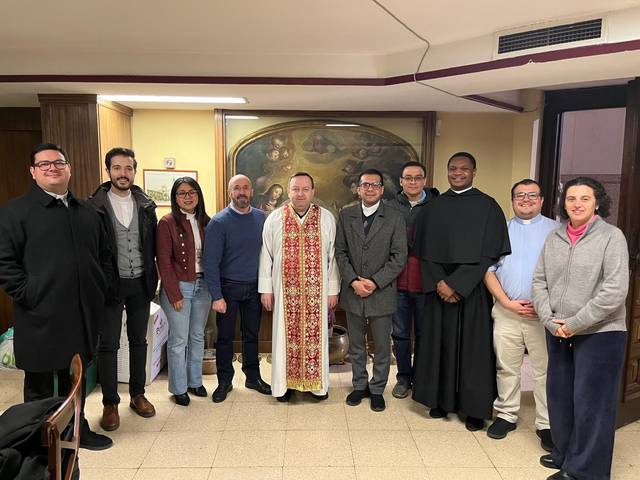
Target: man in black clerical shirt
<point>458,236</point>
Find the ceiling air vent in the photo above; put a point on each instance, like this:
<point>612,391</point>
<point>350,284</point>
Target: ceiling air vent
<point>549,36</point>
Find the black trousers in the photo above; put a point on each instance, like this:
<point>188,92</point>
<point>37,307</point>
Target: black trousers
<point>39,385</point>
<point>133,297</point>
<point>583,380</point>
<point>243,297</point>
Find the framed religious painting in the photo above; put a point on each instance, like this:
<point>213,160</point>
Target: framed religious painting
<point>334,148</point>
<point>157,183</point>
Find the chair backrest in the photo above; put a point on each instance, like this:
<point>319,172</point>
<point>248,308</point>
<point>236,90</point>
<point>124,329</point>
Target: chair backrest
<point>59,421</point>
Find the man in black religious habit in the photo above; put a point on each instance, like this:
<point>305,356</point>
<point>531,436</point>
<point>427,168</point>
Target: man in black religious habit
<point>458,236</point>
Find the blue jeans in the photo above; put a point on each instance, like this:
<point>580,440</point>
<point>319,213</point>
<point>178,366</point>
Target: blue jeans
<point>185,346</point>
<point>409,312</point>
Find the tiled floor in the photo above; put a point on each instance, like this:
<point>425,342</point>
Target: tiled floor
<point>253,436</point>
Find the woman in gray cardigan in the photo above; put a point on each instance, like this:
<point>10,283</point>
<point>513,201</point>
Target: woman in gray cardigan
<point>579,291</point>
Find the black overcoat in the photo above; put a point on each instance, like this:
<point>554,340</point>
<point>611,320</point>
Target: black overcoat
<point>55,264</point>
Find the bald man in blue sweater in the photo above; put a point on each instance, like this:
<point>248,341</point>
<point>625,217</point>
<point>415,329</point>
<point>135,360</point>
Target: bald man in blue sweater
<point>232,250</point>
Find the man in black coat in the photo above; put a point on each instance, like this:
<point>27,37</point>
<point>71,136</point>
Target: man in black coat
<point>55,264</point>
<point>129,218</point>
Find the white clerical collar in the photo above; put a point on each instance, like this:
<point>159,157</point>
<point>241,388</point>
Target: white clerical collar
<point>62,197</point>
<point>368,211</point>
<point>190,216</point>
<point>462,191</point>
<point>522,221</point>
<point>119,198</point>
<point>233,207</point>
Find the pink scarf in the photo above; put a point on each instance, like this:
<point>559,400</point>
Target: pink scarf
<point>575,233</point>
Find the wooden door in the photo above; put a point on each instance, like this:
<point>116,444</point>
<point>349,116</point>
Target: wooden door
<point>19,133</point>
<point>629,221</point>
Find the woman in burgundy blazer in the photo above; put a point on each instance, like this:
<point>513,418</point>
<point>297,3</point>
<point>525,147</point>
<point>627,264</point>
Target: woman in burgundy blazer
<point>184,296</point>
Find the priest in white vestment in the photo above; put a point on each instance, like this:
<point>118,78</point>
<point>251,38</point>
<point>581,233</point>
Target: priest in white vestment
<point>299,281</point>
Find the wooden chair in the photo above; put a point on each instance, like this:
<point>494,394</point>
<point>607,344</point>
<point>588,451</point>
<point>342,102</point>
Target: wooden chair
<point>66,415</point>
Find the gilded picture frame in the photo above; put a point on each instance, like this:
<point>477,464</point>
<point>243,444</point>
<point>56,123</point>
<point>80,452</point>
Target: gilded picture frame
<point>333,150</point>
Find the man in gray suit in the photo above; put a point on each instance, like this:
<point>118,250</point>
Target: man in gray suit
<point>371,250</point>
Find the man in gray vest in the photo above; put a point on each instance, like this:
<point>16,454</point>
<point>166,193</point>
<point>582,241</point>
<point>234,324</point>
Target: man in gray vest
<point>130,219</point>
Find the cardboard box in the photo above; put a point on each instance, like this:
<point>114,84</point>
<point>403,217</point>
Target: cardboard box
<point>157,334</point>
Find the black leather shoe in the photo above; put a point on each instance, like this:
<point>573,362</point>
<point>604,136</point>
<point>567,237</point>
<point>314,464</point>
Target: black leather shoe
<point>91,440</point>
<point>259,386</point>
<point>437,412</point>
<point>547,461</point>
<point>198,391</point>
<point>377,402</point>
<point>285,398</point>
<point>220,393</point>
<point>182,399</point>
<point>561,475</point>
<point>474,424</point>
<point>320,397</point>
<point>500,428</point>
<point>356,396</point>
<point>546,442</point>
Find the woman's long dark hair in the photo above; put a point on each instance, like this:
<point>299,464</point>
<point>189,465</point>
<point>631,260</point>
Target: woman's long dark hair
<point>200,211</point>
<point>603,202</point>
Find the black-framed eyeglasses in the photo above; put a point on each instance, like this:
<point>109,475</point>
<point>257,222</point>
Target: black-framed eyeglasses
<point>410,179</point>
<point>190,193</point>
<point>367,185</point>
<point>46,164</point>
<point>529,195</point>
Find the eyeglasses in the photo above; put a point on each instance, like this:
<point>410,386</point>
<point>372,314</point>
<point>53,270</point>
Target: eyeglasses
<point>529,195</point>
<point>410,179</point>
<point>46,164</point>
<point>190,193</point>
<point>367,185</point>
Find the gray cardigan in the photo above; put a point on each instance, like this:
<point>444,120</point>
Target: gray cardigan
<point>584,285</point>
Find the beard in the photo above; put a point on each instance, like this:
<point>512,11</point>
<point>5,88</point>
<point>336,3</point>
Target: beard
<point>241,202</point>
<point>114,183</point>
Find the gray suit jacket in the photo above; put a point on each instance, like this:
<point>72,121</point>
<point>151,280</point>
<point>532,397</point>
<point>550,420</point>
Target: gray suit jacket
<point>380,256</point>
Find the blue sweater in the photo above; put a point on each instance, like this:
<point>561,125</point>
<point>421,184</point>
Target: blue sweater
<point>232,248</point>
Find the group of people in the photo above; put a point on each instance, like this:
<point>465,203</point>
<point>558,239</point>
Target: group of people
<point>444,280</point>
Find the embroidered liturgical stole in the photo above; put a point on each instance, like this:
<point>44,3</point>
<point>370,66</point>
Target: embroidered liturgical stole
<point>302,291</point>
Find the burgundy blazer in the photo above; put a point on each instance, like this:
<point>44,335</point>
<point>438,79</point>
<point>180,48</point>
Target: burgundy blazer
<point>176,254</point>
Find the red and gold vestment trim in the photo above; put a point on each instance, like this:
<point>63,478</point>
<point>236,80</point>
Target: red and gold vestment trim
<point>302,293</point>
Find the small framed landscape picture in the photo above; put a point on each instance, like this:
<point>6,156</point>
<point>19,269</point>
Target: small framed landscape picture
<point>157,183</point>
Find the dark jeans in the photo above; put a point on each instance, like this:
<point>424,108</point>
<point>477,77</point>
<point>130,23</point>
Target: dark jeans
<point>243,297</point>
<point>409,313</point>
<point>39,385</point>
<point>133,298</point>
<point>583,380</point>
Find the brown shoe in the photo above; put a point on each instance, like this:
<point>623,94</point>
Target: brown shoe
<point>142,406</point>
<point>110,419</point>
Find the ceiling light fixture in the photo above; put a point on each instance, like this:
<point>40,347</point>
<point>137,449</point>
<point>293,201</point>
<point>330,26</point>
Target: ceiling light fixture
<point>171,99</point>
<point>342,125</point>
<point>241,117</point>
